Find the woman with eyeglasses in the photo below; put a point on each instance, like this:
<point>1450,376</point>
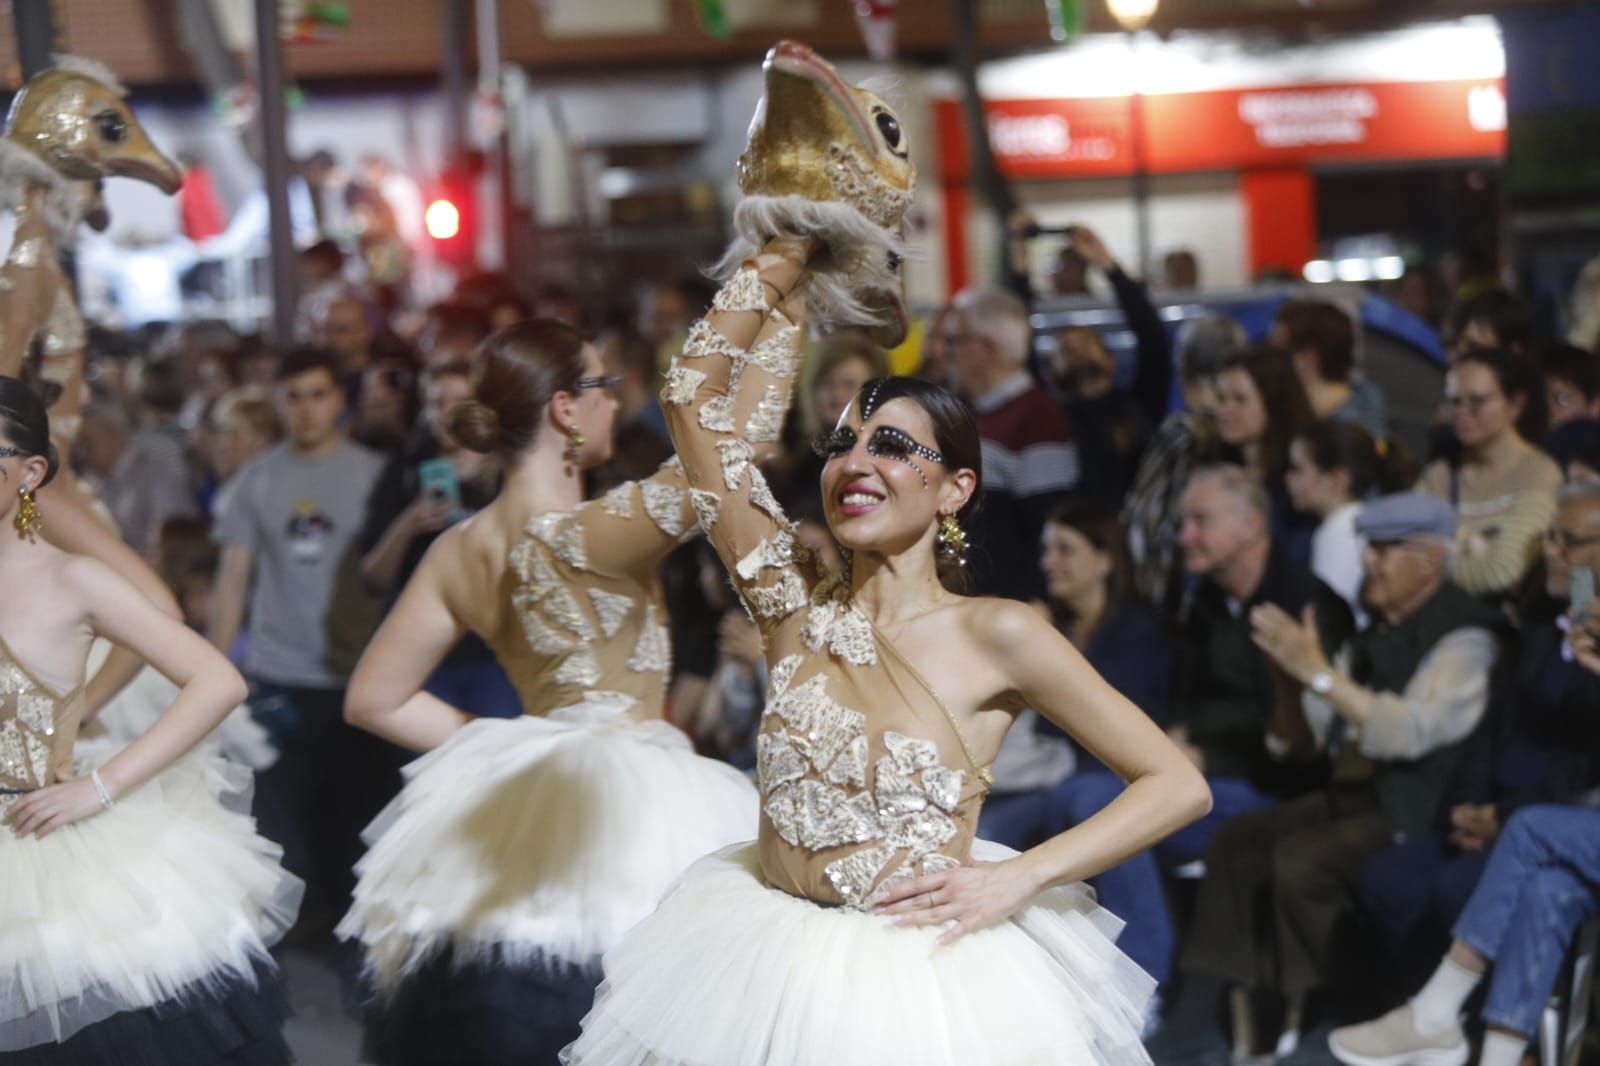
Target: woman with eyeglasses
<point>521,849</point>
<point>136,908</point>
<point>1502,487</point>
<point>866,925</point>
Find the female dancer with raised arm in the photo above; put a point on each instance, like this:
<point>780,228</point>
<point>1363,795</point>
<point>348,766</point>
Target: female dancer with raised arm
<point>135,909</point>
<point>865,926</point>
<point>520,850</point>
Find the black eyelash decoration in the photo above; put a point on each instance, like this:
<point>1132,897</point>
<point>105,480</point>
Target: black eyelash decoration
<point>838,442</point>
<point>890,442</point>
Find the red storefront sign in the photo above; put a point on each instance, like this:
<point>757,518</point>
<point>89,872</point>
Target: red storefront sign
<point>1236,129</point>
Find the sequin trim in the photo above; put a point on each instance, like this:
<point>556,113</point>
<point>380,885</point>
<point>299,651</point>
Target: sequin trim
<point>704,340</point>
<point>612,608</point>
<point>736,457</point>
<point>664,505</point>
<point>716,414</point>
<point>681,384</point>
<point>564,537</point>
<point>766,421</point>
<point>580,669</point>
<point>652,654</point>
<point>779,354</point>
<point>775,551</point>
<point>707,507</point>
<point>744,292</point>
<point>778,601</point>
<point>618,503</point>
<point>856,182</point>
<point>837,625</point>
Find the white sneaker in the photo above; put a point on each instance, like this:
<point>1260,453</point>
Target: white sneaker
<point>1393,1040</point>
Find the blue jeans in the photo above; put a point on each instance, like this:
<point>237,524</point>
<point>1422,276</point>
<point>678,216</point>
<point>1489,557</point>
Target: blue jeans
<point>1539,887</point>
<point>1132,890</point>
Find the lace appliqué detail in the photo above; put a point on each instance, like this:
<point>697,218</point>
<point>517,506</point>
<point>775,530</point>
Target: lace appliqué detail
<point>736,457</point>
<point>781,674</point>
<point>579,669</point>
<point>777,601</point>
<point>854,876</point>
<point>562,607</point>
<point>704,340</point>
<point>664,505</point>
<point>25,254</point>
<point>835,623</point>
<point>707,507</point>
<point>682,382</point>
<point>761,495</point>
<point>653,652</point>
<point>38,713</point>
<point>564,538</point>
<point>779,354</point>
<point>23,756</point>
<point>766,421</point>
<point>618,503</point>
<point>63,330</point>
<point>612,608</point>
<point>775,551</point>
<point>716,414</point>
<point>743,292</point>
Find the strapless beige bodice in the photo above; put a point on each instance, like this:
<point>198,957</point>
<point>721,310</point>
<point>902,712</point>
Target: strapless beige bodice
<point>38,728</point>
<point>587,613</point>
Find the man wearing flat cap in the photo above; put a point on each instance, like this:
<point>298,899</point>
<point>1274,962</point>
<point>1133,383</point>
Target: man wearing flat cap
<point>1393,709</point>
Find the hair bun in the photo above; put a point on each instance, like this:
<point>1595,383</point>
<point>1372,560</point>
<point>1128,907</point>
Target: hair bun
<point>475,426</point>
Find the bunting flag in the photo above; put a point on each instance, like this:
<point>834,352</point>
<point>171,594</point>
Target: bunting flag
<point>1066,19</point>
<point>875,20</point>
<point>713,19</point>
<point>308,21</point>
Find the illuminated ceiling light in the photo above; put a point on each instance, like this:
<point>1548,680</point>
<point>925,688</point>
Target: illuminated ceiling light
<point>1389,268</point>
<point>1132,15</point>
<point>1318,271</point>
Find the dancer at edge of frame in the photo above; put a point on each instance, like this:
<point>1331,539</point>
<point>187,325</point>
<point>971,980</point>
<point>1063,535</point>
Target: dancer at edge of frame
<point>520,850</point>
<point>136,908</point>
<point>867,925</point>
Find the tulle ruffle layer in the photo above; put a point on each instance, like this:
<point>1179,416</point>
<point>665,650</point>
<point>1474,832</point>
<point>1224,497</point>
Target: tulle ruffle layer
<point>529,838</point>
<point>170,895</point>
<point>730,972</point>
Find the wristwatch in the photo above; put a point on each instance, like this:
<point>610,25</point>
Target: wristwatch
<point>1321,682</point>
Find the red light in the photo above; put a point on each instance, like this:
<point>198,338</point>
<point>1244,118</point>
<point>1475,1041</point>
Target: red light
<point>442,219</point>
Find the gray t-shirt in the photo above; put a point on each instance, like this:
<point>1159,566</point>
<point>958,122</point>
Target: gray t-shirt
<point>310,617</point>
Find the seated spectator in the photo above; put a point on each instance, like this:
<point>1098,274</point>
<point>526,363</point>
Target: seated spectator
<point>1112,423</point>
<point>1572,394</point>
<point>1492,318</point>
<point>1543,751</point>
<point>1537,890</point>
<point>1333,467</point>
<point>1393,708</point>
<point>1186,440</point>
<point>1320,340</point>
<point>1260,409</point>
<point>1503,489</point>
<point>1090,597</point>
<point>141,479</point>
<point>1030,461</point>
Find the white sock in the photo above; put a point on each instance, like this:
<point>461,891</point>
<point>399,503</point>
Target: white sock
<point>1502,1049</point>
<point>1438,1006</point>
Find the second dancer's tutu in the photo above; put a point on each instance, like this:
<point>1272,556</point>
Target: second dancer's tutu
<point>539,841</point>
<point>774,979</point>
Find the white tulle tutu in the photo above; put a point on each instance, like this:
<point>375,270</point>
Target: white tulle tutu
<point>539,838</point>
<point>169,893</point>
<point>730,972</point>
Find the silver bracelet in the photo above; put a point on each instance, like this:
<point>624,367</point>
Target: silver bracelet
<point>100,789</point>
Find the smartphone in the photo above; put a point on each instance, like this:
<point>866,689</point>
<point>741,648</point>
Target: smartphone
<point>1582,590</point>
<point>437,480</point>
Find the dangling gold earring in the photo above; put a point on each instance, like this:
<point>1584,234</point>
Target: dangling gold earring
<point>574,450</point>
<point>953,539</point>
<point>29,519</point>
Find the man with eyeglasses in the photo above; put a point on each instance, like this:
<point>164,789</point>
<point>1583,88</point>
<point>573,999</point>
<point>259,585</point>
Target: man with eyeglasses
<point>1533,853</point>
<point>1393,709</point>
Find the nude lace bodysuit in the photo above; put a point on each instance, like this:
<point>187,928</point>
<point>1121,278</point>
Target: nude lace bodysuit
<point>865,778</point>
<point>38,728</point>
<point>587,617</point>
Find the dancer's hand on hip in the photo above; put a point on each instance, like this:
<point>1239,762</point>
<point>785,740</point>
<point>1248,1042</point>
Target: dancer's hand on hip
<point>973,897</point>
<point>43,812</point>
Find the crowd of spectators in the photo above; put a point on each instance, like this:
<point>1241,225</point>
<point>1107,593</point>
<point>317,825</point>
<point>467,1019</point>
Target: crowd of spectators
<point>1372,655</point>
